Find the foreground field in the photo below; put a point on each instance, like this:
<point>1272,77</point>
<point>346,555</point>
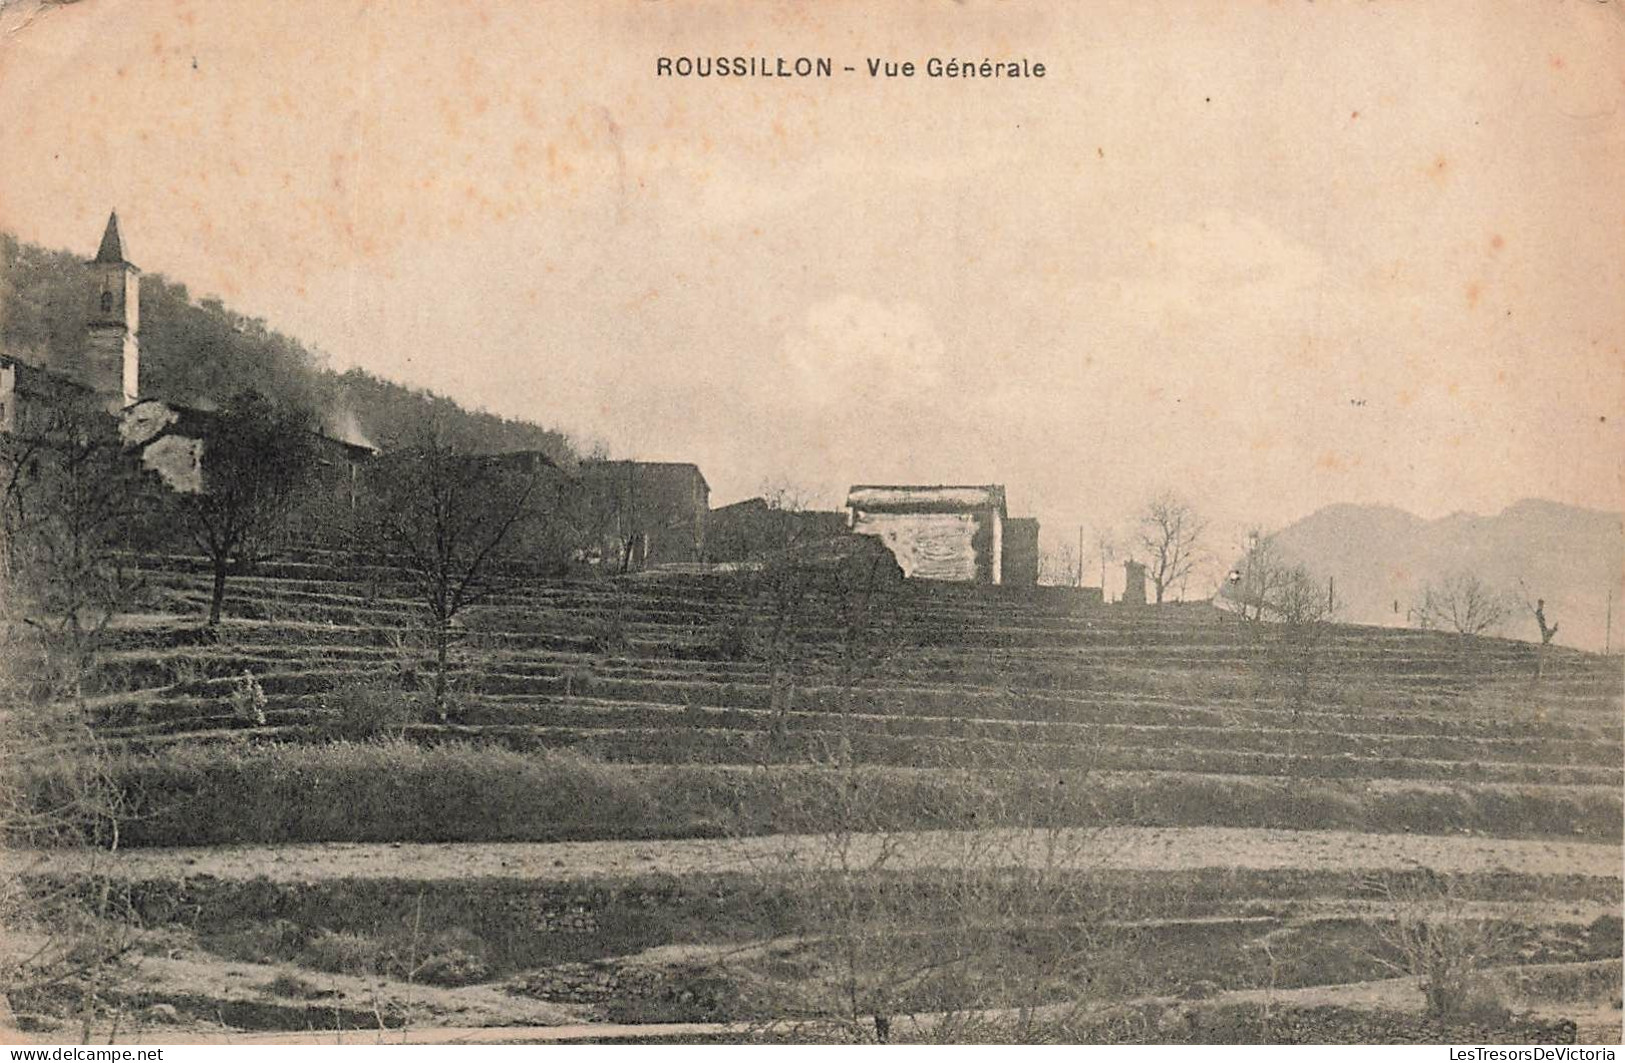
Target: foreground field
<point>1107,823</point>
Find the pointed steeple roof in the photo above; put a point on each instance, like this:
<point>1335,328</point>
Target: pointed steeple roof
<point>112,249</point>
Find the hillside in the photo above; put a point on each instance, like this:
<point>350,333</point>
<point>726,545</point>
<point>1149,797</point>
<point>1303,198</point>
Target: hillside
<point>1382,557</point>
<point>618,825</point>
<point>200,352</point>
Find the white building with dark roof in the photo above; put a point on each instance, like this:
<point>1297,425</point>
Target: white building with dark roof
<point>943,532</point>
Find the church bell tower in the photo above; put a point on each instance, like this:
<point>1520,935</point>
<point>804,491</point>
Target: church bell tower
<point>112,348</point>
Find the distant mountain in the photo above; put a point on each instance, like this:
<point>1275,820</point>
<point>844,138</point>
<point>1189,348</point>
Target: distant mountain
<point>1382,558</point>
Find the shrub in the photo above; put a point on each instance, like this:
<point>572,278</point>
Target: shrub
<point>606,634</point>
<point>264,942</point>
<point>248,700</point>
<point>578,681</point>
<point>734,639</point>
<point>1483,1003</point>
<point>454,967</point>
<point>1429,933</point>
<point>358,711</point>
<point>343,953</point>
<point>288,984</point>
<point>1607,934</point>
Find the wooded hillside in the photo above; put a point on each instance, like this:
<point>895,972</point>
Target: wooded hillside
<point>200,352</point>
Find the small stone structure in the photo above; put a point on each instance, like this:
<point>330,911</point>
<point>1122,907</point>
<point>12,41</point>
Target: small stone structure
<point>1133,583</point>
<point>35,403</point>
<point>1021,552</point>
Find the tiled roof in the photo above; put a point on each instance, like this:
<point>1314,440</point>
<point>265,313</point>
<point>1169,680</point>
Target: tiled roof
<point>921,498</point>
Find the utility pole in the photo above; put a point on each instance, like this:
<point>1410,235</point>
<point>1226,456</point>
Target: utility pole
<point>1080,556</point>
<point>1331,595</point>
<point>1608,626</point>
<point>1247,574</point>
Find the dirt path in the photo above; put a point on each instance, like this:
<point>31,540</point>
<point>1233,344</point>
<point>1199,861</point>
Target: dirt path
<point>1599,1022</point>
<point>1134,848</point>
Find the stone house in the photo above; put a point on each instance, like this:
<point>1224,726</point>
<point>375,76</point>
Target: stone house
<point>169,438</point>
<point>946,532</point>
<point>751,529</point>
<point>638,514</point>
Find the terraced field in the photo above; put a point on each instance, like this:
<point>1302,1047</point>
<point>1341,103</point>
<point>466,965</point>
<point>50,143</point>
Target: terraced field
<point>632,813</point>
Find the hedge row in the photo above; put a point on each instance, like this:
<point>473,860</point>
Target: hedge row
<point>401,791</point>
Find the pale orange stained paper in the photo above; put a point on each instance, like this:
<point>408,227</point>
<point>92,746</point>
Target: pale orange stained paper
<point>1274,255</point>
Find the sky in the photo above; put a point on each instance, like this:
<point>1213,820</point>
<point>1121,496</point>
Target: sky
<point>1271,256</point>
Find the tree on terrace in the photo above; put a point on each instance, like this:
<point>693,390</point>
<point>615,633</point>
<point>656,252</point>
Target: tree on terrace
<point>1106,543</point>
<point>1548,631</point>
<point>1463,603</point>
<point>445,521</point>
<point>1257,584</point>
<point>1291,607</point>
<point>73,506</point>
<point>1302,606</point>
<point>1170,533</point>
<point>1059,566</point>
<point>804,581</point>
<point>256,456</point>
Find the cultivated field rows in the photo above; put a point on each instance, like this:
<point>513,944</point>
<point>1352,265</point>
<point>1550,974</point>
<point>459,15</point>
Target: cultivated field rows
<point>970,622</point>
<point>624,759</point>
<point>999,678</point>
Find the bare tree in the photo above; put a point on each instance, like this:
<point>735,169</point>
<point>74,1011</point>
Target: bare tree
<point>255,458</point>
<point>1106,541</point>
<point>1170,533</point>
<point>1548,631</point>
<point>71,506</point>
<point>1300,598</point>
<point>1301,605</point>
<point>1060,566</point>
<point>810,584</point>
<point>1003,861</point>
<point>627,514</point>
<point>445,521</point>
<point>58,790</point>
<point>1430,932</point>
<point>1257,584</point>
<point>1001,928</point>
<point>1291,606</point>
<point>617,508</point>
<point>1463,603</point>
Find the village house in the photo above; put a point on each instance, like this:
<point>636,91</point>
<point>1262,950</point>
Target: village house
<point>958,533</point>
<point>170,438</point>
<point>753,528</point>
<point>632,515</point>
<point>643,513</point>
